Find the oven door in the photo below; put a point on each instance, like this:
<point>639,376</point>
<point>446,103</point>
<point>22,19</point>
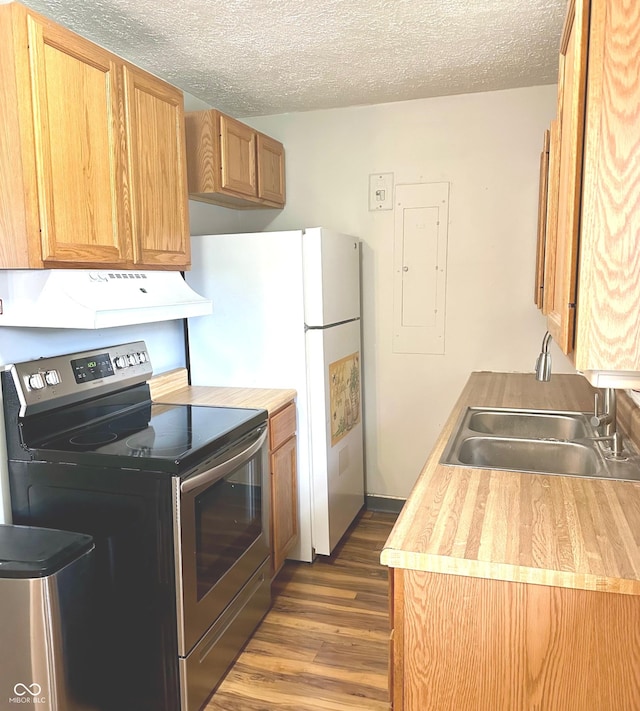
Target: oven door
<point>220,533</point>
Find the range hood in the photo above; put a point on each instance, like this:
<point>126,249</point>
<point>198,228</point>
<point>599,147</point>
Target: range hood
<point>81,298</point>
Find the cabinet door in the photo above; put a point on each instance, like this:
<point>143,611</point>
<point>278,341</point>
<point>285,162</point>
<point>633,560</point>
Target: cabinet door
<point>79,147</point>
<point>608,328</point>
<point>561,293</point>
<point>396,637</point>
<point>551,227</point>
<point>238,157</point>
<point>157,168</point>
<point>485,644</point>
<point>284,501</point>
<point>543,197</point>
<point>270,169</point>
<point>203,153</point>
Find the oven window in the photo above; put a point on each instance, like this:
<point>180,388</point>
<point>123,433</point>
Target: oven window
<point>228,521</point>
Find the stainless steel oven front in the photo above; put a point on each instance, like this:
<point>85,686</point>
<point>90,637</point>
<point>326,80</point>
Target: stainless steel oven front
<point>221,542</point>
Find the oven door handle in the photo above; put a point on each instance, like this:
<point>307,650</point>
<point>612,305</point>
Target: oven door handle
<point>223,469</point>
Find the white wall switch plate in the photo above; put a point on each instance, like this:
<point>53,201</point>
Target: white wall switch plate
<point>381,191</point>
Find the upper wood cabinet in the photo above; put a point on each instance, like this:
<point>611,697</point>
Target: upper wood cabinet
<point>237,157</point>
<point>593,296</point>
<point>270,158</point>
<point>79,181</point>
<point>551,216</point>
<point>608,321</point>
<point>154,114</point>
<point>560,290</point>
<point>232,164</point>
<point>543,197</point>
<point>92,156</point>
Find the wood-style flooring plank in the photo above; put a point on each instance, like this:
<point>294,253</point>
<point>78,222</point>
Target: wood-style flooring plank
<point>323,646</point>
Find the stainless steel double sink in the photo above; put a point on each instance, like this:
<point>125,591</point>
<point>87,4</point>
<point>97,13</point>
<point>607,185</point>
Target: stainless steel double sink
<point>536,441</point>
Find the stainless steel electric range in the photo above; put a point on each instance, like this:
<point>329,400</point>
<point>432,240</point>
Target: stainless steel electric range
<point>176,499</point>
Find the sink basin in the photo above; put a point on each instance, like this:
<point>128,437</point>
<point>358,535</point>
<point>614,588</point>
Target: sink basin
<point>528,424</point>
<point>542,456</point>
<point>536,425</point>
<point>537,441</point>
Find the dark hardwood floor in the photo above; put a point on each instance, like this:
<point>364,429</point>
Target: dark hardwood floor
<point>323,646</point>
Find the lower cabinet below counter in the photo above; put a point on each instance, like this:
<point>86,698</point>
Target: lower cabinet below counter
<point>284,492</point>
<point>470,643</point>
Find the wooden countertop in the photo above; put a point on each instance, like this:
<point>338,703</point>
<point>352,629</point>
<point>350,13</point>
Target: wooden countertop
<point>172,388</point>
<point>545,529</point>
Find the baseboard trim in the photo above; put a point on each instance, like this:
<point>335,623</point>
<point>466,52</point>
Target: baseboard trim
<point>387,504</point>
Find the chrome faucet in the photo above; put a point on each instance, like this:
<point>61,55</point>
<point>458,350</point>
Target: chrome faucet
<point>608,415</point>
<point>607,419</point>
<point>543,363</point>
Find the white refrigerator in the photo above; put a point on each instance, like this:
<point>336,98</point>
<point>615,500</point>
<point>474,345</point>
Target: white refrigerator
<point>286,314</point>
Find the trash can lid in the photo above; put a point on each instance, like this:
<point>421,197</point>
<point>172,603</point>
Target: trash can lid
<point>30,552</point>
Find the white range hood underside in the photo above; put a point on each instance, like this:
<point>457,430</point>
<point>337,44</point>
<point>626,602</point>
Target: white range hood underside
<point>90,299</point>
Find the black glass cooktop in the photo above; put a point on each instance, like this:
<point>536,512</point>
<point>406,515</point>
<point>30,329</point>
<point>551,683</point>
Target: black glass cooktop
<point>140,434</point>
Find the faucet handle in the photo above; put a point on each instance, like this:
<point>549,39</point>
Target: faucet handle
<point>608,416</point>
<point>596,419</point>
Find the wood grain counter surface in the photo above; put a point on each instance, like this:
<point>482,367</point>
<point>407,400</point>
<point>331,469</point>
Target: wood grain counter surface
<point>172,388</point>
<point>532,528</point>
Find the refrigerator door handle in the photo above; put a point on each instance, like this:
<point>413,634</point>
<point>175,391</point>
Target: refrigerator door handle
<point>330,325</point>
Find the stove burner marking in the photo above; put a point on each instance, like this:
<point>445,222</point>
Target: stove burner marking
<point>83,440</point>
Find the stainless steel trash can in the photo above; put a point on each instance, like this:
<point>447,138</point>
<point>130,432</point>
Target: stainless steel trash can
<point>46,579</point>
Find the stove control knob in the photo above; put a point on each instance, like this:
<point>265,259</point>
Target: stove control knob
<point>121,362</point>
<point>52,377</point>
<point>36,381</point>
<point>133,359</point>
<point>142,357</point>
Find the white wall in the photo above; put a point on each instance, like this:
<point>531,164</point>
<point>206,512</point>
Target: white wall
<point>164,340</point>
<point>487,146</point>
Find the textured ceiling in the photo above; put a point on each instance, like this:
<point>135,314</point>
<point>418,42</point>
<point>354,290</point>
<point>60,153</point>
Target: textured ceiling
<point>260,57</point>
